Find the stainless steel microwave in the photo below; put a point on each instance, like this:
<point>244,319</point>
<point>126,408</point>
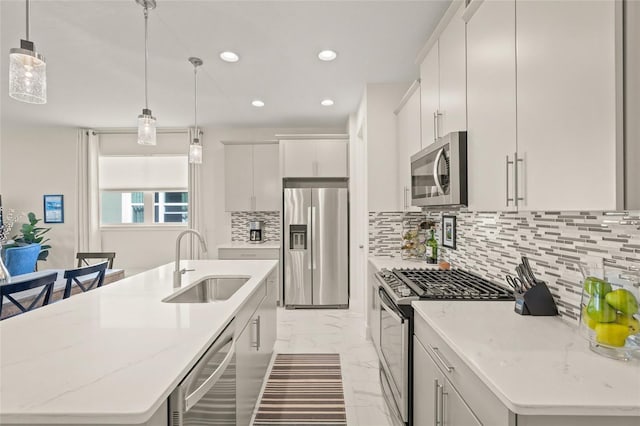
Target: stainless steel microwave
<point>439,173</point>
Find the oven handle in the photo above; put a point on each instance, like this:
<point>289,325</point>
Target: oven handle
<point>388,307</point>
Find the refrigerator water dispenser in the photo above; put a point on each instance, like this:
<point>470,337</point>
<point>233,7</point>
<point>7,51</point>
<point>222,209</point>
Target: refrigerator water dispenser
<point>297,237</point>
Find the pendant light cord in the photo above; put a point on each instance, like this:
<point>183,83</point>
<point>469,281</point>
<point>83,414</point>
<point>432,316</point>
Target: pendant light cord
<point>146,57</point>
<point>195,77</point>
<point>28,19</point>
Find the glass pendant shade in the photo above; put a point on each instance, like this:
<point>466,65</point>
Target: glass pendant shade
<point>146,128</point>
<point>195,152</point>
<point>27,76</point>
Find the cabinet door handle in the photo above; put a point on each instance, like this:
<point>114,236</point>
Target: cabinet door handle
<point>256,323</point>
<point>436,388</point>
<point>442,361</point>
<point>435,126</point>
<point>516,162</point>
<point>508,199</point>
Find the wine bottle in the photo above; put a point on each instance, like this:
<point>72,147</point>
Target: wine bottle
<point>431,245</point>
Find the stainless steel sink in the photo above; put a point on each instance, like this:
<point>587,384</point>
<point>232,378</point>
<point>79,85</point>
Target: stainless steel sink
<point>208,290</point>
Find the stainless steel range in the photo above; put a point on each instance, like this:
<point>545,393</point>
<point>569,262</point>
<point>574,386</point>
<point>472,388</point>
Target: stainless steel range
<point>397,289</point>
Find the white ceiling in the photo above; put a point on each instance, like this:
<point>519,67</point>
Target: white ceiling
<point>94,52</point>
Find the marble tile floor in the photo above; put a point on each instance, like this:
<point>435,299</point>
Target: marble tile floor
<point>343,332</point>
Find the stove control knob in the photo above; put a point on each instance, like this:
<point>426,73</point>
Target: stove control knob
<point>405,291</point>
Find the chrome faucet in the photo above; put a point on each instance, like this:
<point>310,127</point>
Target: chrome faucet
<point>177,272</point>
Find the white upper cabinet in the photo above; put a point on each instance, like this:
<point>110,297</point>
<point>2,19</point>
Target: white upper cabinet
<point>491,104</point>
<point>252,177</point>
<point>314,158</point>
<point>429,95</point>
<point>238,177</point>
<point>453,77</point>
<point>566,113</point>
<point>266,177</point>
<point>443,80</point>
<point>408,143</point>
<point>331,158</point>
<point>299,158</point>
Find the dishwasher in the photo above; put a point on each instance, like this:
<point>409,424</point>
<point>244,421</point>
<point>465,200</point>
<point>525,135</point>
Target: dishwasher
<point>207,396</point>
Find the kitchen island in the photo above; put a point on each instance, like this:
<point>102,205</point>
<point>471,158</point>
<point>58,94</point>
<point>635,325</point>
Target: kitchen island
<point>113,355</point>
<point>493,366</point>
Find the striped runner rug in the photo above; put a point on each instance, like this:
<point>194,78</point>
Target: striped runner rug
<point>303,390</point>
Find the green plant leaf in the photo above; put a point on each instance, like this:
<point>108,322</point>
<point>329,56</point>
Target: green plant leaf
<point>31,216</point>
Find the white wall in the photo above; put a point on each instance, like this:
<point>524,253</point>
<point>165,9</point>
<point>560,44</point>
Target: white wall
<point>632,97</point>
<point>381,100</point>
<point>38,161</point>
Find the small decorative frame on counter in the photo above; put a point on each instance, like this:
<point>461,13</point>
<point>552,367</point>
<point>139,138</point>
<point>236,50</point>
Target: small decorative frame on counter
<point>449,231</point>
<point>54,208</point>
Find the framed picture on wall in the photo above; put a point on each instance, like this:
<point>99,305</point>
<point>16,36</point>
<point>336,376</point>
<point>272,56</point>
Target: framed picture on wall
<point>54,208</point>
<point>449,231</point>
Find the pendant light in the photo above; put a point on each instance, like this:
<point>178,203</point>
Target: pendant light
<point>195,147</point>
<point>27,70</point>
<point>146,121</point>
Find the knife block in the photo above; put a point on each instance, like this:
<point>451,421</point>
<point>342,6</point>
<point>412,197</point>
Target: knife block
<point>537,301</point>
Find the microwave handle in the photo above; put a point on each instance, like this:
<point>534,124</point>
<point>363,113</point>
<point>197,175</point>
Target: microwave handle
<point>436,177</point>
<point>193,398</point>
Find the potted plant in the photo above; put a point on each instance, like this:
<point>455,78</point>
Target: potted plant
<point>31,233</point>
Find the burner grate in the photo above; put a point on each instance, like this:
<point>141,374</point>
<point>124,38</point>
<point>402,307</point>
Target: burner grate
<point>454,284</point>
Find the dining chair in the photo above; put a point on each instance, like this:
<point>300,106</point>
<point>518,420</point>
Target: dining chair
<point>21,259</point>
<point>74,277</point>
<point>23,304</point>
<point>83,258</point>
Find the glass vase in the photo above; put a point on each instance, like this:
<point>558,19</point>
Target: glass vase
<point>609,315</point>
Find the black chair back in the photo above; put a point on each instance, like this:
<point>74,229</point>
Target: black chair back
<point>73,277</point>
<point>8,291</point>
<point>84,257</point>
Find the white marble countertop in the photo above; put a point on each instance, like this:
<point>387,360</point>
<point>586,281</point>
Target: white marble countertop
<point>113,355</point>
<point>392,262</point>
<point>534,365</point>
<point>248,245</point>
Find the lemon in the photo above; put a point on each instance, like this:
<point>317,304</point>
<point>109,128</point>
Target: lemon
<point>630,322</point>
<point>587,319</point>
<point>622,300</point>
<point>600,311</point>
<point>596,286</point>
<point>612,334</point>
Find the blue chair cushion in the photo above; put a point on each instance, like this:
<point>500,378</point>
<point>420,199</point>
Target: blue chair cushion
<point>21,260</point>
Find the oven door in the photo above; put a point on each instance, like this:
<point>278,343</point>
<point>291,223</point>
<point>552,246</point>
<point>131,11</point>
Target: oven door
<point>394,355</point>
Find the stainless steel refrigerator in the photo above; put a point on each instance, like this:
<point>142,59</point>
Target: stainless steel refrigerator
<point>316,244</point>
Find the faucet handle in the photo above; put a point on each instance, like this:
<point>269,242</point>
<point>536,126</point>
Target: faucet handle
<point>185,270</point>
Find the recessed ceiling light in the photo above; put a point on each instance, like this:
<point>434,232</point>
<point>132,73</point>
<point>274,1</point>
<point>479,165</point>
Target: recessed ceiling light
<point>326,102</point>
<point>327,55</point>
<point>257,103</point>
<point>229,57</point>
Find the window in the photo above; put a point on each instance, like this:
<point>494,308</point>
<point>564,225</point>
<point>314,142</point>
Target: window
<point>171,207</point>
<point>143,190</point>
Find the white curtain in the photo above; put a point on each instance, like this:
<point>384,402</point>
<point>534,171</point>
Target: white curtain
<point>196,214</point>
<point>88,236</point>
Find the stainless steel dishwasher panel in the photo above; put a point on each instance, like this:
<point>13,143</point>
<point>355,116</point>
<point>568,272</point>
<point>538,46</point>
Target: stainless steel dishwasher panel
<point>207,396</point>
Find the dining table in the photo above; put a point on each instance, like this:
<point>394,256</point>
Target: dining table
<point>25,297</point>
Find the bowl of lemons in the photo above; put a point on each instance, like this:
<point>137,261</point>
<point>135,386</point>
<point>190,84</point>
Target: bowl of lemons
<point>609,314</point>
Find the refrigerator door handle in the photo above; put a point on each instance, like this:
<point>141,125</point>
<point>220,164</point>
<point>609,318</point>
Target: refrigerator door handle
<point>313,239</point>
<point>310,233</point>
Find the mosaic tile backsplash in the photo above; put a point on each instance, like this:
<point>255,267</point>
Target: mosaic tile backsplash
<point>491,245</point>
<point>240,225</point>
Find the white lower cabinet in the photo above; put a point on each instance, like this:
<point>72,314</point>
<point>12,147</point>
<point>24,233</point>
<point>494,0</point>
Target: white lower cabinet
<point>373,307</point>
<point>436,402</point>
<point>254,347</point>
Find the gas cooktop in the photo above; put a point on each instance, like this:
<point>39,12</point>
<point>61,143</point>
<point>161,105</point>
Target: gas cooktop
<point>454,284</point>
